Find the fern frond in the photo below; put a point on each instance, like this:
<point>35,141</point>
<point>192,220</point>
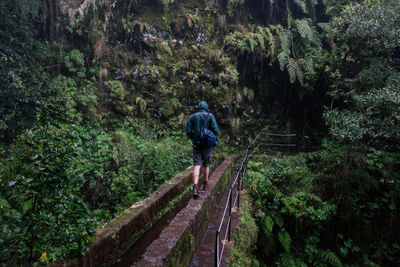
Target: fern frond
<point>325,26</point>
<point>285,40</point>
<point>302,4</point>
<point>308,65</point>
<point>330,257</point>
<point>295,71</point>
<point>283,60</point>
<point>291,69</point>
<point>299,72</point>
<point>285,240</point>
<point>142,104</point>
<point>274,46</point>
<point>289,260</point>
<point>316,39</point>
<point>267,225</point>
<point>304,29</point>
<point>260,40</point>
<point>265,32</point>
<point>252,43</point>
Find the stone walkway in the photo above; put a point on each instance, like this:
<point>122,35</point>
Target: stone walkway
<point>205,252</point>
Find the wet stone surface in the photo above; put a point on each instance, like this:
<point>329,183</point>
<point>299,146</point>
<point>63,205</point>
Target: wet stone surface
<point>177,242</point>
<point>205,252</point>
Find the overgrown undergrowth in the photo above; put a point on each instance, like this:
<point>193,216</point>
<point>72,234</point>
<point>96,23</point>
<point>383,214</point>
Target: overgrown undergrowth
<point>330,208</point>
<point>60,183</point>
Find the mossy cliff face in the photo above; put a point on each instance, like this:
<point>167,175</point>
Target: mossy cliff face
<point>163,57</point>
<point>157,59</point>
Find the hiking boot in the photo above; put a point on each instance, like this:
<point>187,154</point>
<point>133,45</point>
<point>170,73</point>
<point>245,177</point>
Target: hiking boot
<point>195,192</point>
<point>205,185</point>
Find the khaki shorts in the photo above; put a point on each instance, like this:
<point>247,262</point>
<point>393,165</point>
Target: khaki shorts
<point>202,155</point>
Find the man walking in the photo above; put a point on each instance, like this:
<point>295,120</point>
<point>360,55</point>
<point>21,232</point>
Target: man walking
<point>201,155</point>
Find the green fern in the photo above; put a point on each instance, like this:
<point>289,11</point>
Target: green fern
<point>304,29</point>
<point>291,69</point>
<point>267,225</point>
<point>274,46</point>
<point>299,72</point>
<point>308,65</point>
<point>283,60</point>
<point>330,257</point>
<point>302,4</point>
<point>265,32</point>
<point>285,40</point>
<point>252,43</point>
<point>289,260</point>
<point>248,93</point>
<point>325,26</point>
<point>142,104</point>
<point>260,39</point>
<point>285,240</point>
<point>295,71</point>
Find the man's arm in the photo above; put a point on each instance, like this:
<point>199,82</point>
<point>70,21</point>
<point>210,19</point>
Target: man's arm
<point>189,128</point>
<point>214,126</point>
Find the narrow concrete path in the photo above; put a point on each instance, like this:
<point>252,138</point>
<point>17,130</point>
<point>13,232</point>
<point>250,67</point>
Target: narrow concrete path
<point>204,255</point>
<point>178,241</point>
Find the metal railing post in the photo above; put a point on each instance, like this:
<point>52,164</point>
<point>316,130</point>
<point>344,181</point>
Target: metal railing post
<point>241,184</point>
<point>230,214</point>
<point>216,261</point>
<point>238,187</point>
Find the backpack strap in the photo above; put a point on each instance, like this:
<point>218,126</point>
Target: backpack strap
<point>205,122</point>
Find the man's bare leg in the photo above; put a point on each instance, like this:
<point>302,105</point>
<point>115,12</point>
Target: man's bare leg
<point>206,173</point>
<point>196,173</point>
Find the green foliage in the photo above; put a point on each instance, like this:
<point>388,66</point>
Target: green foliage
<point>75,62</point>
<point>72,101</point>
<point>128,165</point>
<point>250,42</point>
<point>233,5</point>
<point>289,260</point>
<point>299,198</point>
<point>295,50</point>
<point>267,225</point>
<point>56,180</point>
<point>245,237</point>
<point>375,118</point>
<point>23,83</point>
<point>285,240</point>
<point>370,92</point>
<point>42,208</point>
<point>373,22</point>
<point>330,258</point>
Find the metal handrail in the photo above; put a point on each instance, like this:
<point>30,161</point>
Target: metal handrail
<point>239,179</point>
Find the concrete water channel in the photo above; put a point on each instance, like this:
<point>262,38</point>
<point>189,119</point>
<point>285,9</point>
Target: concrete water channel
<point>170,228</point>
<point>164,230</point>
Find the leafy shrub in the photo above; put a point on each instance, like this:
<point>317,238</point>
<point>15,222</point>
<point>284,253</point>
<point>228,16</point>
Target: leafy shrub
<point>59,183</point>
<point>119,168</point>
<point>246,236</point>
<point>74,62</point>
<point>41,209</point>
<point>323,208</point>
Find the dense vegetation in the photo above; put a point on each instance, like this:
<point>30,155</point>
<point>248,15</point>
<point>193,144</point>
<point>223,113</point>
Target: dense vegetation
<point>323,209</point>
<point>94,96</point>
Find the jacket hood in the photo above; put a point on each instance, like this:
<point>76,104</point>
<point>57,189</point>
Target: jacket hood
<point>203,106</point>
